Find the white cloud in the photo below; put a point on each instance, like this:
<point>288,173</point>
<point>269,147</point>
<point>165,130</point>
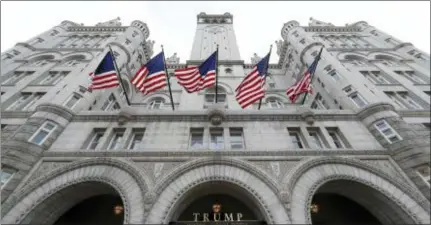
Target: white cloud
<point>257,24</point>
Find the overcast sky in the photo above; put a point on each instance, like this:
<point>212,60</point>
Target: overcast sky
<point>257,24</point>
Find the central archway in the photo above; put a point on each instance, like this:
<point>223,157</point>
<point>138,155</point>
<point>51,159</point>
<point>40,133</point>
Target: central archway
<point>233,177</point>
<point>234,204</point>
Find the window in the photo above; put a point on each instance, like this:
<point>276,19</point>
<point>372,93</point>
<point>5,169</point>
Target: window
<point>43,133</point>
<point>302,41</point>
<point>95,138</point>
<point>334,75</point>
<point>319,103</point>
<point>375,77</point>
<point>136,140</point>
<point>111,104</point>
<point>274,103</point>
<point>54,32</point>
<point>216,138</point>
<point>424,172</point>
<point>386,130</point>
<point>6,175</point>
<point>73,100</point>
<point>236,138</point>
<point>128,42</point>
<point>411,76</point>
<point>196,138</point>
<point>33,100</point>
<point>294,134</point>
<point>315,137</point>
<point>210,95</point>
<point>116,140</point>
<point>25,101</point>
<point>394,97</point>
<point>156,103</point>
<point>54,77</point>
<point>18,103</point>
<point>16,77</point>
<point>71,63</point>
<point>335,136</point>
<point>409,101</point>
<point>358,100</point>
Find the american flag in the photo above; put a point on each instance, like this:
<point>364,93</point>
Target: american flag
<point>105,75</point>
<point>303,85</point>
<point>151,76</point>
<point>197,78</point>
<point>251,88</point>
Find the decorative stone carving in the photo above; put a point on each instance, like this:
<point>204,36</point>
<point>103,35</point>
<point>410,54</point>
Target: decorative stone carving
<point>317,23</point>
<point>44,168</point>
<point>308,116</point>
<point>174,59</point>
<point>255,59</point>
<point>216,113</point>
<point>275,166</point>
<point>123,117</point>
<point>158,167</point>
<point>279,45</point>
<point>385,166</point>
<point>110,23</point>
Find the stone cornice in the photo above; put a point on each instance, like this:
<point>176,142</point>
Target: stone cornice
<point>415,113</point>
<point>94,28</point>
<point>246,66</point>
<point>201,115</point>
<point>331,29</point>
<point>203,153</point>
<point>220,62</point>
<point>75,50</point>
<point>56,109</point>
<point>374,108</point>
<point>16,114</point>
<point>25,45</point>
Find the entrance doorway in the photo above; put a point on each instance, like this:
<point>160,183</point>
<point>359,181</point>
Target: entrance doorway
<point>98,210</point>
<point>336,209</point>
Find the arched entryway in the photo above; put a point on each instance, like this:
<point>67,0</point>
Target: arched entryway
<point>343,191</point>
<point>83,203</point>
<point>216,201</point>
<point>112,189</point>
<point>209,178</point>
<point>338,202</point>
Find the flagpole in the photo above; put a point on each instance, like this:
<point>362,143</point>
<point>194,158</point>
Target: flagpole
<point>266,73</point>
<point>167,78</point>
<point>312,75</point>
<point>216,87</point>
<point>118,75</point>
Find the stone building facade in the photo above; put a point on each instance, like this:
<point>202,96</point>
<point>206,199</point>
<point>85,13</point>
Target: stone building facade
<point>362,134</point>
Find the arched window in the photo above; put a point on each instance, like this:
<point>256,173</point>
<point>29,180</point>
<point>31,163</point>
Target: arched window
<point>156,103</point>
<point>211,93</point>
<point>274,103</point>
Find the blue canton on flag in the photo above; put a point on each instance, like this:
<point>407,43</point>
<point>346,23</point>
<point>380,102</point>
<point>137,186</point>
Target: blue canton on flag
<point>251,88</point>
<point>151,76</point>
<point>196,78</point>
<point>105,75</point>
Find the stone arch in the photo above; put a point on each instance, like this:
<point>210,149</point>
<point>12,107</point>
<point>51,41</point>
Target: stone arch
<point>128,56</point>
<point>80,56</point>
<point>277,96</point>
<point>51,55</point>
<point>170,190</point>
<point>352,56</point>
<point>151,97</point>
<point>221,85</point>
<point>384,55</point>
<point>127,180</point>
<point>304,181</point>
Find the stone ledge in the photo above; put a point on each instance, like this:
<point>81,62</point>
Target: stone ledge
<point>81,153</point>
<point>56,109</point>
<point>374,108</point>
<point>294,114</point>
